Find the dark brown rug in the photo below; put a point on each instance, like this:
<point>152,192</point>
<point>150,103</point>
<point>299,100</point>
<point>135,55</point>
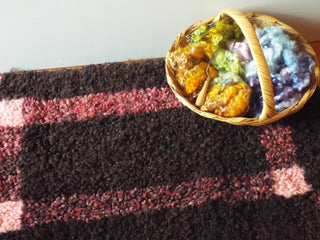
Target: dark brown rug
<point>107,152</point>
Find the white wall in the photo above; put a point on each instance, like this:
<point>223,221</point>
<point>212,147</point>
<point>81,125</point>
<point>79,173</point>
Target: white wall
<point>38,34</point>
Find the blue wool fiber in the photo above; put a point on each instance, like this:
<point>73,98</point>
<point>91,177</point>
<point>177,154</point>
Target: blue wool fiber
<point>290,70</point>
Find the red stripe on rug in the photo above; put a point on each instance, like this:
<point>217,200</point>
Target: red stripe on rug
<point>98,105</point>
<point>281,149</point>
<point>138,201</point>
<point>10,175</point>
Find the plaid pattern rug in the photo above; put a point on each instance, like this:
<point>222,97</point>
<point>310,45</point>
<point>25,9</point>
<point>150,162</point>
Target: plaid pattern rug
<point>107,152</point>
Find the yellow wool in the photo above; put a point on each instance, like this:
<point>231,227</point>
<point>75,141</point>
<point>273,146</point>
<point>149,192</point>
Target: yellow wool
<point>230,100</point>
<point>193,79</point>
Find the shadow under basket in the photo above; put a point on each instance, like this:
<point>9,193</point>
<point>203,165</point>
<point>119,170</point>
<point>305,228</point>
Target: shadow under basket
<point>246,21</point>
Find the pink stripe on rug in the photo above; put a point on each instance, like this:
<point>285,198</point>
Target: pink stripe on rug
<point>138,201</point>
<point>98,105</point>
<point>289,182</point>
<point>10,187</point>
<point>11,113</point>
<point>281,151</point>
<point>288,177</point>
<point>10,179</point>
<point>10,143</point>
<point>10,216</point>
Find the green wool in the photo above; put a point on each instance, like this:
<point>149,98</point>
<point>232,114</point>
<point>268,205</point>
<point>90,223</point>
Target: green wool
<point>226,61</point>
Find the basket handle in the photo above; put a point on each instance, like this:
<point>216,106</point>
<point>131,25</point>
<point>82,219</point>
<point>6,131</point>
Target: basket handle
<point>260,61</point>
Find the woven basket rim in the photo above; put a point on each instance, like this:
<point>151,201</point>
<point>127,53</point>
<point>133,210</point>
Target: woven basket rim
<point>254,18</point>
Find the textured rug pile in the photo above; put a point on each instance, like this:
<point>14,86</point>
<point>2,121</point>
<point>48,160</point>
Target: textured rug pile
<point>107,152</point>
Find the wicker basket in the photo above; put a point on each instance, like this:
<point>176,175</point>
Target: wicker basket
<point>246,20</point>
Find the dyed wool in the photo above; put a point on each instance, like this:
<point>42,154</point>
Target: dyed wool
<point>290,71</point>
<point>242,49</point>
<point>226,61</point>
<point>228,96</point>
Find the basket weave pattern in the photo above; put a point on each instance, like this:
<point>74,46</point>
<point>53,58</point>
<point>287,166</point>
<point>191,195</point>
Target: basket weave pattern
<point>246,21</point>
